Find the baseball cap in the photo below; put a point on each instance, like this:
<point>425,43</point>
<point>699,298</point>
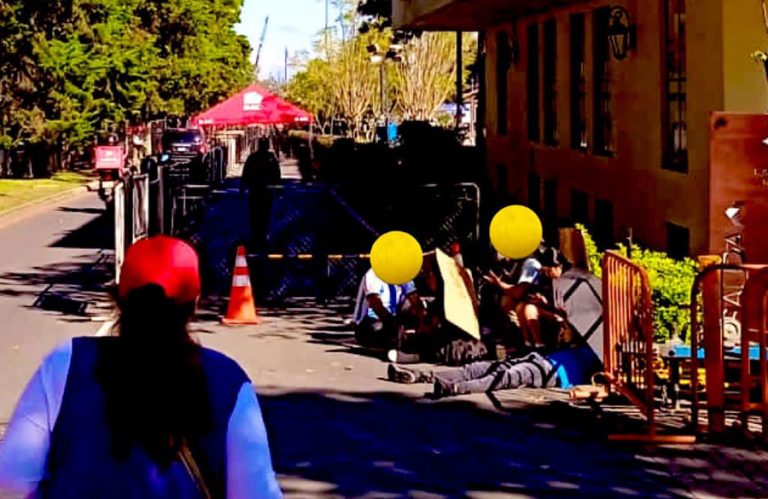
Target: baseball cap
<point>165,261</point>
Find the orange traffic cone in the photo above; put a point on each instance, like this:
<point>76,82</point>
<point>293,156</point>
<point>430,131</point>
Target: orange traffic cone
<point>241,308</point>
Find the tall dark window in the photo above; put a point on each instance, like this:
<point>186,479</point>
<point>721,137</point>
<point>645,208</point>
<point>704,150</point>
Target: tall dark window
<point>580,207</point>
<point>678,241</point>
<point>550,209</point>
<point>603,227</point>
<point>502,178</point>
<point>550,82</point>
<point>502,73</point>
<point>675,129</point>
<point>534,191</point>
<point>602,83</point>
<point>533,87</point>
<point>578,44</point>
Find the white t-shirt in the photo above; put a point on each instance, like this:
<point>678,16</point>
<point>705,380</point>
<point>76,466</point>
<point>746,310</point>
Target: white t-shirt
<point>391,295</point>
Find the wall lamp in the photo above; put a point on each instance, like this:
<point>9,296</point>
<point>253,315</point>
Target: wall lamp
<point>621,32</point>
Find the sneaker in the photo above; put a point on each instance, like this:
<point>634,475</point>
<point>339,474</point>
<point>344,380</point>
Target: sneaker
<point>401,375</point>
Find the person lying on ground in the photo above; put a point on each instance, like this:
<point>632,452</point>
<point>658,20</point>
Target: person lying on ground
<point>573,364</point>
<point>533,300</point>
<point>382,310</point>
<point>148,413</point>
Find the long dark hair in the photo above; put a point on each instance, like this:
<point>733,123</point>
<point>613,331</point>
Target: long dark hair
<point>154,386</point>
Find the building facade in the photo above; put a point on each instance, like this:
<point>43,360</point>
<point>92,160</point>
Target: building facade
<point>621,144</point>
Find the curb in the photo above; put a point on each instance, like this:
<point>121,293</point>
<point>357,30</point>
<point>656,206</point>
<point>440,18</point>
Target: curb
<point>31,208</point>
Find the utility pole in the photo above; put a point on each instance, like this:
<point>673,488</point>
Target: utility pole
<point>285,76</point>
<point>459,79</point>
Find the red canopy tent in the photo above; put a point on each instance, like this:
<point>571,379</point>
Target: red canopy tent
<point>252,106</point>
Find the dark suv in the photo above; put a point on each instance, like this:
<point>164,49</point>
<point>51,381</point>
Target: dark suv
<point>184,142</point>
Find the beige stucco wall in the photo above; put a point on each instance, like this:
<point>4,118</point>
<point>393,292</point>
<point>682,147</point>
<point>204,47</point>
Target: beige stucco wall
<point>644,195</point>
<point>721,35</point>
<point>744,79</point>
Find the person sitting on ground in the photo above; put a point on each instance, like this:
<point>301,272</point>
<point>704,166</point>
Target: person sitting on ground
<point>533,299</point>
<point>148,413</point>
<point>382,310</point>
<point>574,364</point>
<point>499,297</point>
<point>433,339</point>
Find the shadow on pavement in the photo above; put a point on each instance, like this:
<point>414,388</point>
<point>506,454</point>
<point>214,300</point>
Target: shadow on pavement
<point>57,287</point>
<point>351,444</point>
<point>98,233</point>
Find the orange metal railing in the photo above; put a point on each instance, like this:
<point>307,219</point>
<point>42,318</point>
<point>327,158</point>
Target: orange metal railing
<point>628,329</point>
<point>708,323</point>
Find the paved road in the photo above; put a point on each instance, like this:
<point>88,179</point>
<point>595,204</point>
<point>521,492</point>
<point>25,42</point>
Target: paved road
<point>55,246</point>
<point>338,429</point>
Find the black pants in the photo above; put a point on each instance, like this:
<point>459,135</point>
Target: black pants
<point>378,334</point>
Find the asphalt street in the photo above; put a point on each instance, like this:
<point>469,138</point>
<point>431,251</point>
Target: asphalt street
<point>54,249</point>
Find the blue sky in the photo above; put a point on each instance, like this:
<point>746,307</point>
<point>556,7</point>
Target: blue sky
<point>292,24</point>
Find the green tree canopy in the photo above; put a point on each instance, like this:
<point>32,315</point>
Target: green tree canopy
<point>73,67</point>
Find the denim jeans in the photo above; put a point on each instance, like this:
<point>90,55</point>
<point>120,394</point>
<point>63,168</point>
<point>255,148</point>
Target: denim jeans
<point>533,370</point>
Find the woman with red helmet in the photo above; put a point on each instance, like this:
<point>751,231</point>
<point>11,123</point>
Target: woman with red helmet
<point>147,413</point>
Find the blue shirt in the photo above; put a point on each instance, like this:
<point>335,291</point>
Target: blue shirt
<point>391,296</point>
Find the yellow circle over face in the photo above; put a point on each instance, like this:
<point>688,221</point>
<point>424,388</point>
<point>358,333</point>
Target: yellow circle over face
<point>516,232</point>
<point>396,257</point>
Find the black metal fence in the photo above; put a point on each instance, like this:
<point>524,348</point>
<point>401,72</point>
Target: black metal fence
<point>319,238</point>
<point>164,197</point>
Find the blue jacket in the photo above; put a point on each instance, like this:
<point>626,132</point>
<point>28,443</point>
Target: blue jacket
<point>58,442</point>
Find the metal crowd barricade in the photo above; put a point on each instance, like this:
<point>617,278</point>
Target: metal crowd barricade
<point>745,393</point>
<point>755,333</point>
<point>161,199</point>
<point>714,308</point>
<point>119,209</point>
<point>629,351</point>
<point>131,206</point>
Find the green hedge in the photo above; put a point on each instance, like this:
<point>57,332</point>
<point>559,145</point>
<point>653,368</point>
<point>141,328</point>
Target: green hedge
<point>671,282</point>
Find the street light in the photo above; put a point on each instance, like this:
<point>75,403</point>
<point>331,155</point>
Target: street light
<point>379,58</point>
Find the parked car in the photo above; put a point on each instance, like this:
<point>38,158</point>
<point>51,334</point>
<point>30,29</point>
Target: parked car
<point>184,143</point>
